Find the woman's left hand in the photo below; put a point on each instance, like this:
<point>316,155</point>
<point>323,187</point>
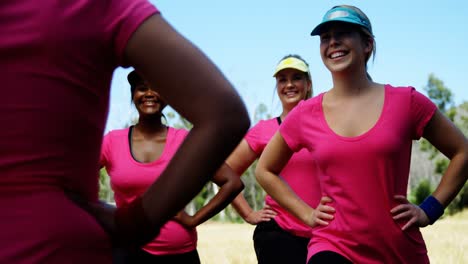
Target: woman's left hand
<point>185,219</point>
<point>406,210</point>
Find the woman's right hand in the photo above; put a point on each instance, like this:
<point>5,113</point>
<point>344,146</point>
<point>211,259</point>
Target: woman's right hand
<point>262,215</point>
<point>323,214</point>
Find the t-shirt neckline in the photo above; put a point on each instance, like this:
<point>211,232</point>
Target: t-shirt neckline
<point>324,122</point>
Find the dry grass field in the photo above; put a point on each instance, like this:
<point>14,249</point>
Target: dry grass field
<point>220,243</point>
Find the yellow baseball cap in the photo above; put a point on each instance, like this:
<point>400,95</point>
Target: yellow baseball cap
<point>291,63</point>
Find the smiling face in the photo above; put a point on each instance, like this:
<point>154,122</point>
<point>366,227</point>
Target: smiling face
<point>344,47</point>
<point>292,86</point>
<point>147,101</point>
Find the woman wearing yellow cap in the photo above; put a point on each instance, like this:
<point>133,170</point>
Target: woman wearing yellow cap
<point>280,237</point>
<point>360,134</point>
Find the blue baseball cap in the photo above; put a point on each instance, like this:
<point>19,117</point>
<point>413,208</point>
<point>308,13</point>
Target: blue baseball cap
<point>342,14</point>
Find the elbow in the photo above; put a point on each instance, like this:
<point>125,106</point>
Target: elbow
<point>464,158</point>
<point>461,153</point>
<point>239,187</point>
<point>235,187</point>
<point>232,117</point>
<point>259,171</point>
<point>238,123</point>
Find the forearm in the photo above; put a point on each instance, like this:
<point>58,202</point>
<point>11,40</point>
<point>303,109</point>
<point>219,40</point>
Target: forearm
<point>191,158</point>
<point>453,179</point>
<point>223,197</point>
<point>284,195</point>
<point>241,206</point>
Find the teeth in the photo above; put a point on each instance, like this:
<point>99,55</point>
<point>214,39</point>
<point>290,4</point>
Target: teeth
<point>337,54</point>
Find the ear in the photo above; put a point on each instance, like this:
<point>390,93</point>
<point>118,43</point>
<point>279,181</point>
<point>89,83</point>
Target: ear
<point>368,45</point>
<point>309,90</point>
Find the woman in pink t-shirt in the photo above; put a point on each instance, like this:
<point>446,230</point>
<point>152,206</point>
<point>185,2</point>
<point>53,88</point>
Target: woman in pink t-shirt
<point>280,237</point>
<point>135,157</point>
<point>360,133</point>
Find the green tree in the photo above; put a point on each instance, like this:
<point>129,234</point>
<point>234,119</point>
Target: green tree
<point>442,96</point>
<point>105,191</point>
<point>421,191</point>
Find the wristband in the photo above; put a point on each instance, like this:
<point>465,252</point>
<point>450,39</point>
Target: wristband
<point>433,208</point>
<point>133,228</point>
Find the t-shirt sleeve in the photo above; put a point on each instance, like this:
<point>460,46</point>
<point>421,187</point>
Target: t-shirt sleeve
<point>422,110</point>
<point>125,16</point>
<point>179,136</point>
<point>290,129</point>
<point>254,138</point>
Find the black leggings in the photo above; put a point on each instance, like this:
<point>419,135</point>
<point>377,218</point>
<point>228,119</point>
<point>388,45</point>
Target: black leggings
<point>274,245</point>
<point>328,257</point>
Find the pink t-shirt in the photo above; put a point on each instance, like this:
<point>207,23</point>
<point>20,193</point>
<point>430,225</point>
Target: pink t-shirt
<point>362,174</point>
<point>299,173</point>
<point>57,61</point>
<point>130,179</point>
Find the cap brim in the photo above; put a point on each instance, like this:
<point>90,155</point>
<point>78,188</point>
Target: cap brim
<point>301,69</point>
<point>318,29</point>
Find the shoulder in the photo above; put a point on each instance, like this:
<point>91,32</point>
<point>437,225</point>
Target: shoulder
<point>406,92</point>
<point>264,127</point>
<point>311,103</point>
<point>311,106</point>
<point>272,122</point>
<point>177,132</point>
<point>399,90</point>
<point>117,133</point>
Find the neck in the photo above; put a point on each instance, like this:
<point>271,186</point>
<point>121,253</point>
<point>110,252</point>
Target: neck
<point>286,110</point>
<point>350,83</point>
<point>150,124</point>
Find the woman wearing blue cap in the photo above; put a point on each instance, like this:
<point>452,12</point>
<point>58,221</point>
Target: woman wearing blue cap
<point>360,133</point>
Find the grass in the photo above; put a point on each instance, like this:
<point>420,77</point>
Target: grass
<point>226,243</point>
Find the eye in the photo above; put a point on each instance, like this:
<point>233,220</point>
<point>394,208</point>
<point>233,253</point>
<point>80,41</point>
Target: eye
<point>298,77</point>
<point>324,37</point>
<point>280,79</point>
<point>345,34</point>
<point>141,88</point>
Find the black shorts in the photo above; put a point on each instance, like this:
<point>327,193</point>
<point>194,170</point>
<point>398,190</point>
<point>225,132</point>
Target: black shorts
<point>275,245</point>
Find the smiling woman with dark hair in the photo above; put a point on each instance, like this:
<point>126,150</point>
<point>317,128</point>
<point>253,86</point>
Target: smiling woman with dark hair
<point>136,156</point>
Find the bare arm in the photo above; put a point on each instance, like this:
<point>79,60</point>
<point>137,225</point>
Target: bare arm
<point>239,160</point>
<point>231,186</point>
<point>195,88</point>
<point>272,161</point>
<point>449,140</point>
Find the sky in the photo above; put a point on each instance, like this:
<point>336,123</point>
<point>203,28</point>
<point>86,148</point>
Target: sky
<point>246,39</point>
